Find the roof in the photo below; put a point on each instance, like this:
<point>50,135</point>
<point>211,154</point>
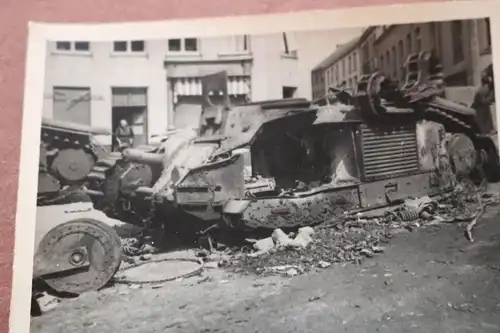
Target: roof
<point>367,32</point>
<point>338,54</point>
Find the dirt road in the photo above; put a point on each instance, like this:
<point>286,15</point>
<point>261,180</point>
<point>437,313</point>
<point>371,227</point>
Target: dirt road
<point>429,280</point>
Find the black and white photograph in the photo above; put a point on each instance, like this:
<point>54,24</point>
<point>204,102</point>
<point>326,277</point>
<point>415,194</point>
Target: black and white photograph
<point>331,180</point>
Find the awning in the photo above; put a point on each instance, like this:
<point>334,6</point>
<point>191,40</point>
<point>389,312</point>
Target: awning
<point>236,85</point>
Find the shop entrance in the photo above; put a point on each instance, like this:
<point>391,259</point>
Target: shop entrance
<point>131,104</point>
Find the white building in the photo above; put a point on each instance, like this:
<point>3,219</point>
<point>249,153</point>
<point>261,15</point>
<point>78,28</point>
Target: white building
<point>258,68</point>
<point>156,84</point>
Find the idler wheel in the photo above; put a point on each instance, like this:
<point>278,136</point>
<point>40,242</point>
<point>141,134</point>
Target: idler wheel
<point>72,165</point>
<point>78,256</point>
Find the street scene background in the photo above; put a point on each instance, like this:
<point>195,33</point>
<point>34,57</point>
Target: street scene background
<point>156,84</point>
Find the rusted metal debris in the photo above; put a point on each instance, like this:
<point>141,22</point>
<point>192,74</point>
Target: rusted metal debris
<point>357,237</point>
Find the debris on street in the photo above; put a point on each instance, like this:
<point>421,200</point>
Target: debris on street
<point>279,241</point>
<point>360,236</point>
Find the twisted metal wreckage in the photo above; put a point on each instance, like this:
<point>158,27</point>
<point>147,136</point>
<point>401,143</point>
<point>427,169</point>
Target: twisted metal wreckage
<point>293,163</point>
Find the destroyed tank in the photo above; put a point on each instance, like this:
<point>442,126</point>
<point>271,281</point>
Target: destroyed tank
<point>68,151</point>
<point>74,252</point>
<point>291,163</point>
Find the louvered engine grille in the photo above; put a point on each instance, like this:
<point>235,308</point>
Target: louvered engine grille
<point>389,151</point>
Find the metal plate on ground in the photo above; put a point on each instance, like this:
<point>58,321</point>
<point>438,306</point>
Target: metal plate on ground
<point>159,270</point>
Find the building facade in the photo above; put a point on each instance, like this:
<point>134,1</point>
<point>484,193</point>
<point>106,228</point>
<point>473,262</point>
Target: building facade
<point>341,69</point>
<point>155,84</point>
<point>462,46</point>
<point>258,68</point>
<point>99,83</point>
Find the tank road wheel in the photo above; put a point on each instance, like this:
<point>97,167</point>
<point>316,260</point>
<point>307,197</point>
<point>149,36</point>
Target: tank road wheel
<point>78,256</point>
<point>462,154</point>
<point>73,165</point>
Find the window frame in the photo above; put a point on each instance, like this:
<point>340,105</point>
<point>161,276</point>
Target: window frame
<point>182,49</point>
<point>128,47</point>
<point>72,47</point>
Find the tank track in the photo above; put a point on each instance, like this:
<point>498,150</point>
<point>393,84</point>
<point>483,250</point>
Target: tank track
<point>67,195</point>
<point>102,182</point>
<point>96,179</point>
<point>71,191</point>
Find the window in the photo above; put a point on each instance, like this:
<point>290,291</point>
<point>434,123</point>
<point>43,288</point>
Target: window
<point>418,40</point>
<point>388,62</point>
<point>183,45</point>
<point>191,44</point>
<point>354,62</point>
<point>457,41</point>
<point>137,46</point>
<point>484,35</point>
<point>382,63</point>
<point>63,46</point>
<point>245,43</point>
<point>488,31</point>
<point>174,45</point>
<point>82,46</point>
<point>120,46</point>
<point>79,46</point>
<point>343,68</point>
<point>129,46</point>
<point>394,62</point>
<point>409,47</point>
<point>289,92</point>
<point>401,52</point>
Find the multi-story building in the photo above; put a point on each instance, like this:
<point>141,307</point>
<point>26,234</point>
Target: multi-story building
<point>155,84</point>
<point>258,68</point>
<point>341,69</point>
<point>463,47</point>
<point>99,83</point>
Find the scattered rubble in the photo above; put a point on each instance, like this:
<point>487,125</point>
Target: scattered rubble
<point>45,303</point>
<point>351,238</point>
<point>279,241</point>
<point>359,236</point>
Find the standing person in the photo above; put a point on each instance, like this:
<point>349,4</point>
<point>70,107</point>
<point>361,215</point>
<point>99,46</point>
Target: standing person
<point>124,135</point>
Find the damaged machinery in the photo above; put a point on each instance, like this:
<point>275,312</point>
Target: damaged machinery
<point>78,253</point>
<point>293,163</point>
<point>77,256</point>
<point>68,151</point>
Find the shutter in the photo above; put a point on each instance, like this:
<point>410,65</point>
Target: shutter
<point>389,151</point>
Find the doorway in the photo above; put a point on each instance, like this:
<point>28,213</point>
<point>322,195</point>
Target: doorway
<point>136,118</point>
<point>130,103</point>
